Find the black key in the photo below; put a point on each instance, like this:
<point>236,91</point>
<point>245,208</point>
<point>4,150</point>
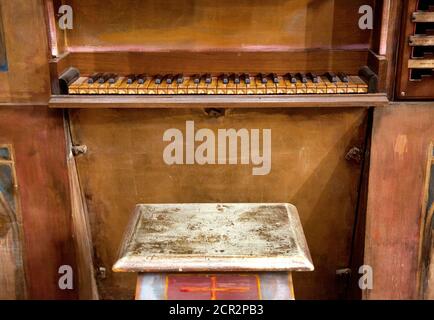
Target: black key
<point>131,78</point>
<point>196,78</point>
<point>236,78</point>
<point>225,78</point>
<point>141,78</point>
<point>113,78</point>
<point>208,78</point>
<point>246,78</point>
<point>262,78</point>
<point>302,77</point>
<point>344,77</point>
<point>332,77</point>
<point>179,78</point>
<point>103,78</point>
<point>158,79</point>
<point>292,78</point>
<point>169,79</point>
<point>274,78</point>
<point>314,77</point>
<point>94,77</point>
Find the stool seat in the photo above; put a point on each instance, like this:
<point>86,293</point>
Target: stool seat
<point>189,251</point>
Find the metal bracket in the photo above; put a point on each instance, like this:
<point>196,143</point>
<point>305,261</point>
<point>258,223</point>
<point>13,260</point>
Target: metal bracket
<point>354,154</point>
<point>80,149</point>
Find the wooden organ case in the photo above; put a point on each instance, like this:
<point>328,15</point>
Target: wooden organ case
<point>126,72</point>
<point>129,70</point>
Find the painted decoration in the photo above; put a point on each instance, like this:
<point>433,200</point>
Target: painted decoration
<point>222,286</point>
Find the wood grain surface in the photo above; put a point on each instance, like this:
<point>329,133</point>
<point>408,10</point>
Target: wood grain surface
<point>124,166</point>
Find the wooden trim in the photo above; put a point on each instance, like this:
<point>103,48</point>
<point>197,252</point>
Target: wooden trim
<point>232,101</point>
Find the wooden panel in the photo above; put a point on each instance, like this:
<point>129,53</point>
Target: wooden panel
<point>401,137</point>
<point>42,177</point>
<point>124,166</point>
<point>208,25</point>
<point>187,62</point>
<point>27,79</point>
<point>12,281</point>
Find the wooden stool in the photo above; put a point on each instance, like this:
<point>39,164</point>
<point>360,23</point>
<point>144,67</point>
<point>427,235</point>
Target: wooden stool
<point>214,251</point>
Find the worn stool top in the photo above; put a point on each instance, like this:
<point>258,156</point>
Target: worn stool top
<point>214,237</point>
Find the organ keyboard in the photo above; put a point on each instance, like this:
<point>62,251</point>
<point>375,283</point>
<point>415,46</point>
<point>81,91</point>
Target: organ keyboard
<point>230,84</point>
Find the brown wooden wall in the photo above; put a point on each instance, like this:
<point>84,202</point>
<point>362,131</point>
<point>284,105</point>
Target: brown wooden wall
<point>37,136</point>
<point>402,135</point>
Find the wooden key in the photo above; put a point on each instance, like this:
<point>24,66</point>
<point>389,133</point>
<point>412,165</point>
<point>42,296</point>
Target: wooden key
<point>179,78</point>
<point>123,86</point>
<point>208,78</point>
<point>271,85</point>
<point>202,85</point>
<point>225,78</point>
<point>280,86</point>
<point>302,77</point>
<point>291,88</point>
<point>261,84</point>
<point>246,78</point>
<point>141,78</point>
<point>172,88</point>
<point>162,87</point>
<point>314,77</point>
<point>351,86</point>
<point>182,84</point>
<point>75,86</point>
<point>236,78</point>
<point>113,78</point>
<point>195,78</point>
<point>158,79</point>
<point>105,81</point>
<point>143,83</point>
<point>250,85</point>
<point>330,86</point>
<point>212,86</point>
<point>168,79</point>
<point>192,84</point>
<point>94,78</point>
<point>130,78</point>
<point>262,78</point>
<point>114,87</point>
<point>154,84</point>
<point>332,77</point>
<point>321,87</point>
<point>341,87</point>
<point>300,85</point>
<point>240,83</point>
<point>310,86</point>
<point>104,77</point>
<point>222,84</point>
<point>131,88</point>
<point>362,87</point>
<point>231,87</point>
<point>291,77</point>
<point>344,77</point>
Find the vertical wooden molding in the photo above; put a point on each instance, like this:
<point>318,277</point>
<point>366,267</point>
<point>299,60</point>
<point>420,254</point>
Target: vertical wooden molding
<point>88,289</point>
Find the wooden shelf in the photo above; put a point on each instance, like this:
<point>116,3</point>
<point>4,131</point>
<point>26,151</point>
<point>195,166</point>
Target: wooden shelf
<point>218,101</point>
